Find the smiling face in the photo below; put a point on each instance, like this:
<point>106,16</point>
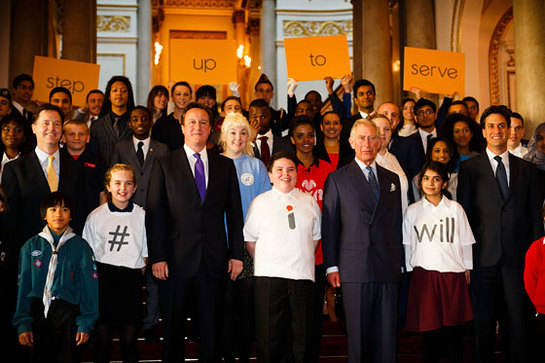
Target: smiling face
<point>391,111</point>
<point>303,138</point>
<point>196,128</point>
<point>496,133</point>
<point>440,152</point>
<point>408,111</point>
<point>385,132</point>
<point>181,97</point>
<point>160,101</point>
<point>57,218</point>
<point>516,132</point>
<point>121,186</point>
<point>283,175</point>
<point>61,100</point>
<point>13,135</point>
<point>94,103</point>
<point>48,130</point>
<point>461,134</point>
<point>119,94</point>
<point>365,98</point>
<point>425,118</point>
<point>140,124</point>
<point>432,183</point>
<point>364,140</point>
<point>232,106</point>
<point>331,126</point>
<point>76,138</point>
<point>236,140</point>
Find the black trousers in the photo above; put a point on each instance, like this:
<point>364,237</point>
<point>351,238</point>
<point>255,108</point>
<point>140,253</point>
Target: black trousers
<point>284,311</point>
<point>54,336</point>
<point>175,293</point>
<point>492,287</point>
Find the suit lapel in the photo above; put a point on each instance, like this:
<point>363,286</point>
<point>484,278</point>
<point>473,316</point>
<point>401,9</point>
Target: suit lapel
<point>109,127</point>
<point>513,174</point>
<point>130,152</point>
<point>38,173</point>
<point>186,169</point>
<point>361,183</point>
<point>489,174</point>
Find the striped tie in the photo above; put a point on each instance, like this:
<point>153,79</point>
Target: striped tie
<point>51,271</point>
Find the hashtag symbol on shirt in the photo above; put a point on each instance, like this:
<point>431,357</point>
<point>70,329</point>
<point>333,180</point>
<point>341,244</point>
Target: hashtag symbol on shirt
<point>121,241</point>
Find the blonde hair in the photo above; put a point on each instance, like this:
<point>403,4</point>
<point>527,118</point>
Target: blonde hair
<point>236,120</point>
<point>113,169</point>
<point>75,122</point>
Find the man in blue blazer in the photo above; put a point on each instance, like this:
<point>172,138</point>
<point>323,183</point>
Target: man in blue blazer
<point>190,192</point>
<point>361,237</point>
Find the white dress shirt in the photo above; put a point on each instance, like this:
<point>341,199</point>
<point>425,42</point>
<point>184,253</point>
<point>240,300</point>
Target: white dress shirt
<point>494,163</point>
<point>519,151</point>
<point>145,147</point>
<point>193,160</point>
<point>270,136</point>
<point>43,158</point>
<point>424,137</point>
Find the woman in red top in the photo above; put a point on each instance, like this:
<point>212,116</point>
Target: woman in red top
<point>311,175</point>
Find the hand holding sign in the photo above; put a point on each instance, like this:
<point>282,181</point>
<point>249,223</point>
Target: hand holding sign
<point>434,71</point>
<point>313,58</point>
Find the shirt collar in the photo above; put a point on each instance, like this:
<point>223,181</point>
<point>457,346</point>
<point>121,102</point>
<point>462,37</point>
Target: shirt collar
<point>42,155</point>
<point>190,152</point>
<point>146,142</point>
<point>279,194</point>
<point>425,133</point>
<point>113,208</point>
<point>18,106</point>
<point>269,134</point>
<point>504,157</point>
<point>444,202</point>
<point>363,167</point>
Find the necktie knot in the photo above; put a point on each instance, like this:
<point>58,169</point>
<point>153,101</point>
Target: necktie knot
<point>197,156</point>
<point>264,138</point>
<point>140,144</point>
<point>498,159</point>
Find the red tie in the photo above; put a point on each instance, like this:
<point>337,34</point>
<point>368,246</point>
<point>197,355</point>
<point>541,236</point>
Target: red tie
<point>265,151</point>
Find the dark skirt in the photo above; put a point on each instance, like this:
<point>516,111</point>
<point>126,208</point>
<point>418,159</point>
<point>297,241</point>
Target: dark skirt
<point>119,295</point>
<point>437,299</point>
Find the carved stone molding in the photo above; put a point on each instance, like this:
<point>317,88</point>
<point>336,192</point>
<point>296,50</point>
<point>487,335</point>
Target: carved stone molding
<point>200,3</point>
<point>456,26</point>
<point>494,56</point>
<point>304,28</point>
<point>113,23</point>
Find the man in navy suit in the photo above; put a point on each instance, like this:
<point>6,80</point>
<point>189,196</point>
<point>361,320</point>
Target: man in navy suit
<point>361,237</point>
<point>192,195</point>
<point>499,193</point>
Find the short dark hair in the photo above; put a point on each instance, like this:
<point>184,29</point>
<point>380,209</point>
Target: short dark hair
<point>281,155</point>
<point>518,116</point>
<point>91,92</point>
<point>496,109</point>
<point>54,199</point>
<point>205,91</point>
<point>229,99</point>
<point>471,99</point>
<point>143,108</point>
<point>439,168</point>
<point>311,92</point>
<point>258,103</point>
<point>193,105</point>
<point>331,112</point>
<point>363,82</point>
<point>181,83</point>
<point>298,121</point>
<point>263,79</point>
<point>13,117</point>
<point>47,107</point>
<point>424,102</point>
<point>405,100</point>
<point>61,90</point>
<point>20,78</point>
<point>458,102</point>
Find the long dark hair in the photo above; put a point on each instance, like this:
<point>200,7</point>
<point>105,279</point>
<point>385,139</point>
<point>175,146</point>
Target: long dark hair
<point>451,165</point>
<point>156,91</point>
<point>447,131</point>
<point>107,106</point>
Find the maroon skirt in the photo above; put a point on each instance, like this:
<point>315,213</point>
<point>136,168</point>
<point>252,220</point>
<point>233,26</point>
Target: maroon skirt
<point>437,299</point>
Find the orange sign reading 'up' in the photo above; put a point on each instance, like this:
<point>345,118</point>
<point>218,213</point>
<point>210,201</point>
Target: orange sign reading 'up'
<point>313,58</point>
<point>203,61</point>
<point>434,71</point>
<point>78,77</point>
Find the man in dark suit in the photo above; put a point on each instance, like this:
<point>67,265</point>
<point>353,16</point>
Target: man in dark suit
<point>140,151</point>
<point>499,194</point>
<point>264,90</point>
<point>189,194</point>
<point>361,237</point>
<point>267,142</point>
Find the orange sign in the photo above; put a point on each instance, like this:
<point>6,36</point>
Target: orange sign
<point>313,58</point>
<point>434,71</point>
<point>203,61</point>
<point>78,77</point>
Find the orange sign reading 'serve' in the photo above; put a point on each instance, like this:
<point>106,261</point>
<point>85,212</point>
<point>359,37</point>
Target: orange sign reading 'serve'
<point>313,58</point>
<point>78,77</point>
<point>434,71</point>
<point>203,61</point>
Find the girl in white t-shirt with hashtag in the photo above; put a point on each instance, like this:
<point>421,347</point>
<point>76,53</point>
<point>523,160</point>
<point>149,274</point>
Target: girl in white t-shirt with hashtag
<point>438,250</point>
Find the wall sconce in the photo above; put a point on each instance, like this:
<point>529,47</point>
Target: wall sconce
<point>247,61</point>
<point>240,51</point>
<point>158,50</point>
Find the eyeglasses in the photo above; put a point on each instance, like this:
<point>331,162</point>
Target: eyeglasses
<point>427,112</point>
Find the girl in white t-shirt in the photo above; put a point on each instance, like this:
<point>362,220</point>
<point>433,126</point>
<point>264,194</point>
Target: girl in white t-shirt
<point>116,233</point>
<point>438,249</point>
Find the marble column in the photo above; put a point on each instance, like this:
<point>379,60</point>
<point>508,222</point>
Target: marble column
<point>29,35</point>
<point>530,60</point>
<point>239,19</point>
<point>79,41</point>
<point>144,60</point>
<point>373,47</point>
<point>268,42</point>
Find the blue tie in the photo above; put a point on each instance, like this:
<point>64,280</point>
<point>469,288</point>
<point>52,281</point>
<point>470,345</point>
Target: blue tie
<point>373,181</point>
<point>199,176</point>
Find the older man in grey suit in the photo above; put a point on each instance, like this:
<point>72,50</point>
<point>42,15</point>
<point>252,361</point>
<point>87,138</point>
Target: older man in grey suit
<point>361,237</point>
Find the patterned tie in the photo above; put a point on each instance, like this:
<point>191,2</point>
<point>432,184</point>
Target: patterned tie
<point>373,181</point>
<point>265,151</point>
<point>140,153</point>
<point>199,176</point>
<point>52,175</point>
<point>501,177</point>
<point>51,272</point>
